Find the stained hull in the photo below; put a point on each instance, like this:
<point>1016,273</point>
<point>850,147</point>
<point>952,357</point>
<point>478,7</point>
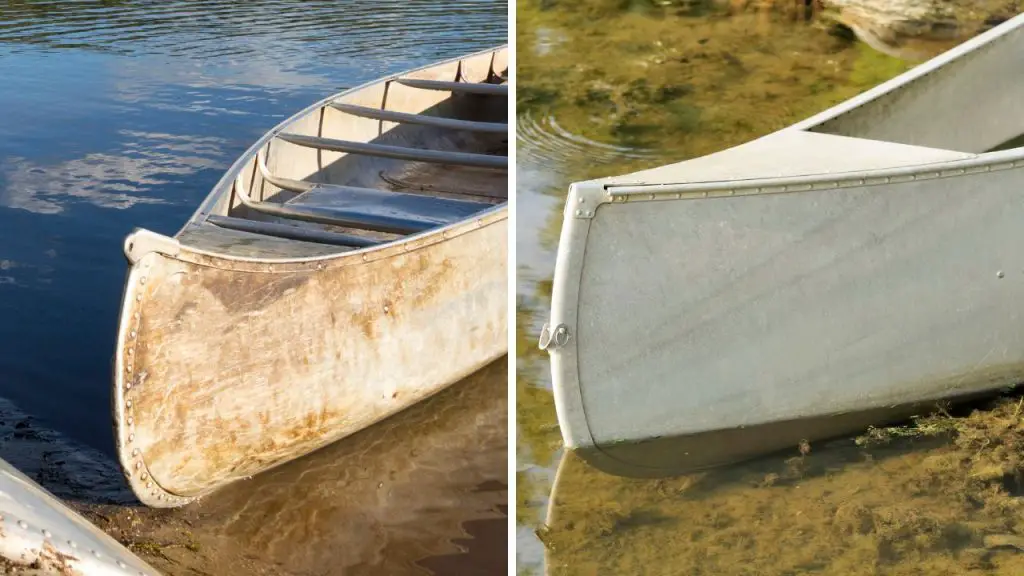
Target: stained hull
<point>227,368</point>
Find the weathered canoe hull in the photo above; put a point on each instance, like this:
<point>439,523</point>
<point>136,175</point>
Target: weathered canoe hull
<point>229,367</point>
<point>37,529</point>
<point>801,286</point>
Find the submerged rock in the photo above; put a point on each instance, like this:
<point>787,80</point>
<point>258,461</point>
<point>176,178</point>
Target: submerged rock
<point>917,29</point>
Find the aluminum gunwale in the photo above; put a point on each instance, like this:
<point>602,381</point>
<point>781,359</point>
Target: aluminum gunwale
<point>980,163</point>
<point>916,73</point>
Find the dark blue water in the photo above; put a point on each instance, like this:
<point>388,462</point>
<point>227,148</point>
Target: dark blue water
<point>115,115</point>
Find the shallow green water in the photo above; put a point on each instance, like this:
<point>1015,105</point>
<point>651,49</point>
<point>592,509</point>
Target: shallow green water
<point>609,88</point>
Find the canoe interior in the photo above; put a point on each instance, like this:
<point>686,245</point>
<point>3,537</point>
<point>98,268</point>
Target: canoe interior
<point>403,156</point>
<point>971,104</point>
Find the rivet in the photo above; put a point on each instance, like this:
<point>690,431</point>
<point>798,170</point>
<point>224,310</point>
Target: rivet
<point>581,200</point>
<point>131,351</point>
<point>128,385</point>
<point>121,564</point>
<point>46,533</point>
<point>129,368</point>
<point>128,403</point>
<point>96,553</point>
<point>159,496</point>
<point>138,465</point>
<point>131,420</point>
<point>149,484</point>
<point>386,309</point>
<point>23,524</point>
<point>364,257</point>
<point>135,452</point>
<point>133,333</point>
<point>319,266</point>
<point>142,280</point>
<point>579,212</point>
<point>999,274</point>
<point>131,437</point>
<point>136,315</point>
<point>138,297</point>
<point>144,476</point>
<point>72,543</point>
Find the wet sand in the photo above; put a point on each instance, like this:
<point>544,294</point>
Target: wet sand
<point>423,492</point>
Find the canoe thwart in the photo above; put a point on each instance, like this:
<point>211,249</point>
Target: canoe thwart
<point>381,210</point>
<point>290,232</point>
<point>398,152</point>
<point>482,88</point>
<point>422,119</point>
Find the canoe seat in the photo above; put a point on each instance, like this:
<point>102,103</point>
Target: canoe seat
<point>397,152</point>
<point>481,88</point>
<point>290,232</point>
<point>422,119</point>
<point>382,211</point>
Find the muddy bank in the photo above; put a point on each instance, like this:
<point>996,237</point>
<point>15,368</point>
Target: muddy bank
<point>422,492</point>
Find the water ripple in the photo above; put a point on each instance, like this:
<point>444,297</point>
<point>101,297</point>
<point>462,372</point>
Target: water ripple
<point>218,28</point>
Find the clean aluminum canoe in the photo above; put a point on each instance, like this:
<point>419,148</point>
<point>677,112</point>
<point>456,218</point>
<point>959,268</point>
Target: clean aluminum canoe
<point>832,275</point>
<point>44,536</point>
<point>350,264</point>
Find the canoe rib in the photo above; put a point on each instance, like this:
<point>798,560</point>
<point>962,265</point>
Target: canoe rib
<point>398,152</point>
<point>422,119</point>
<point>290,232</point>
<point>367,208</point>
<point>481,88</point>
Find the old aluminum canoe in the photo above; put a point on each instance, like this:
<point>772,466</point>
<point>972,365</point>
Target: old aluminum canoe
<point>350,264</point>
<point>43,535</point>
<point>806,284</point>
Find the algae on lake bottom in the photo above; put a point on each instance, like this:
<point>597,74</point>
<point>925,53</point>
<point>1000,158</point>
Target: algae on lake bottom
<point>612,87</point>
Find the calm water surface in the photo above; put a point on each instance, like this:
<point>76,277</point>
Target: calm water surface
<point>118,114</point>
<point>606,88</point>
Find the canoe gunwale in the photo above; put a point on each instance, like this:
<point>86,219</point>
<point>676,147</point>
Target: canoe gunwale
<point>142,241</point>
<point>918,72</point>
<point>975,164</point>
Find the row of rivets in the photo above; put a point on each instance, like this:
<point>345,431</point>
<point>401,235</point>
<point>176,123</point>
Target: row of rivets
<point>133,334</point>
<point>823,184</point>
<point>74,545</point>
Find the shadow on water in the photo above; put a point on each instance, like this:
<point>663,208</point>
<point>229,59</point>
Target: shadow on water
<point>123,114</point>
<point>642,86</point>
